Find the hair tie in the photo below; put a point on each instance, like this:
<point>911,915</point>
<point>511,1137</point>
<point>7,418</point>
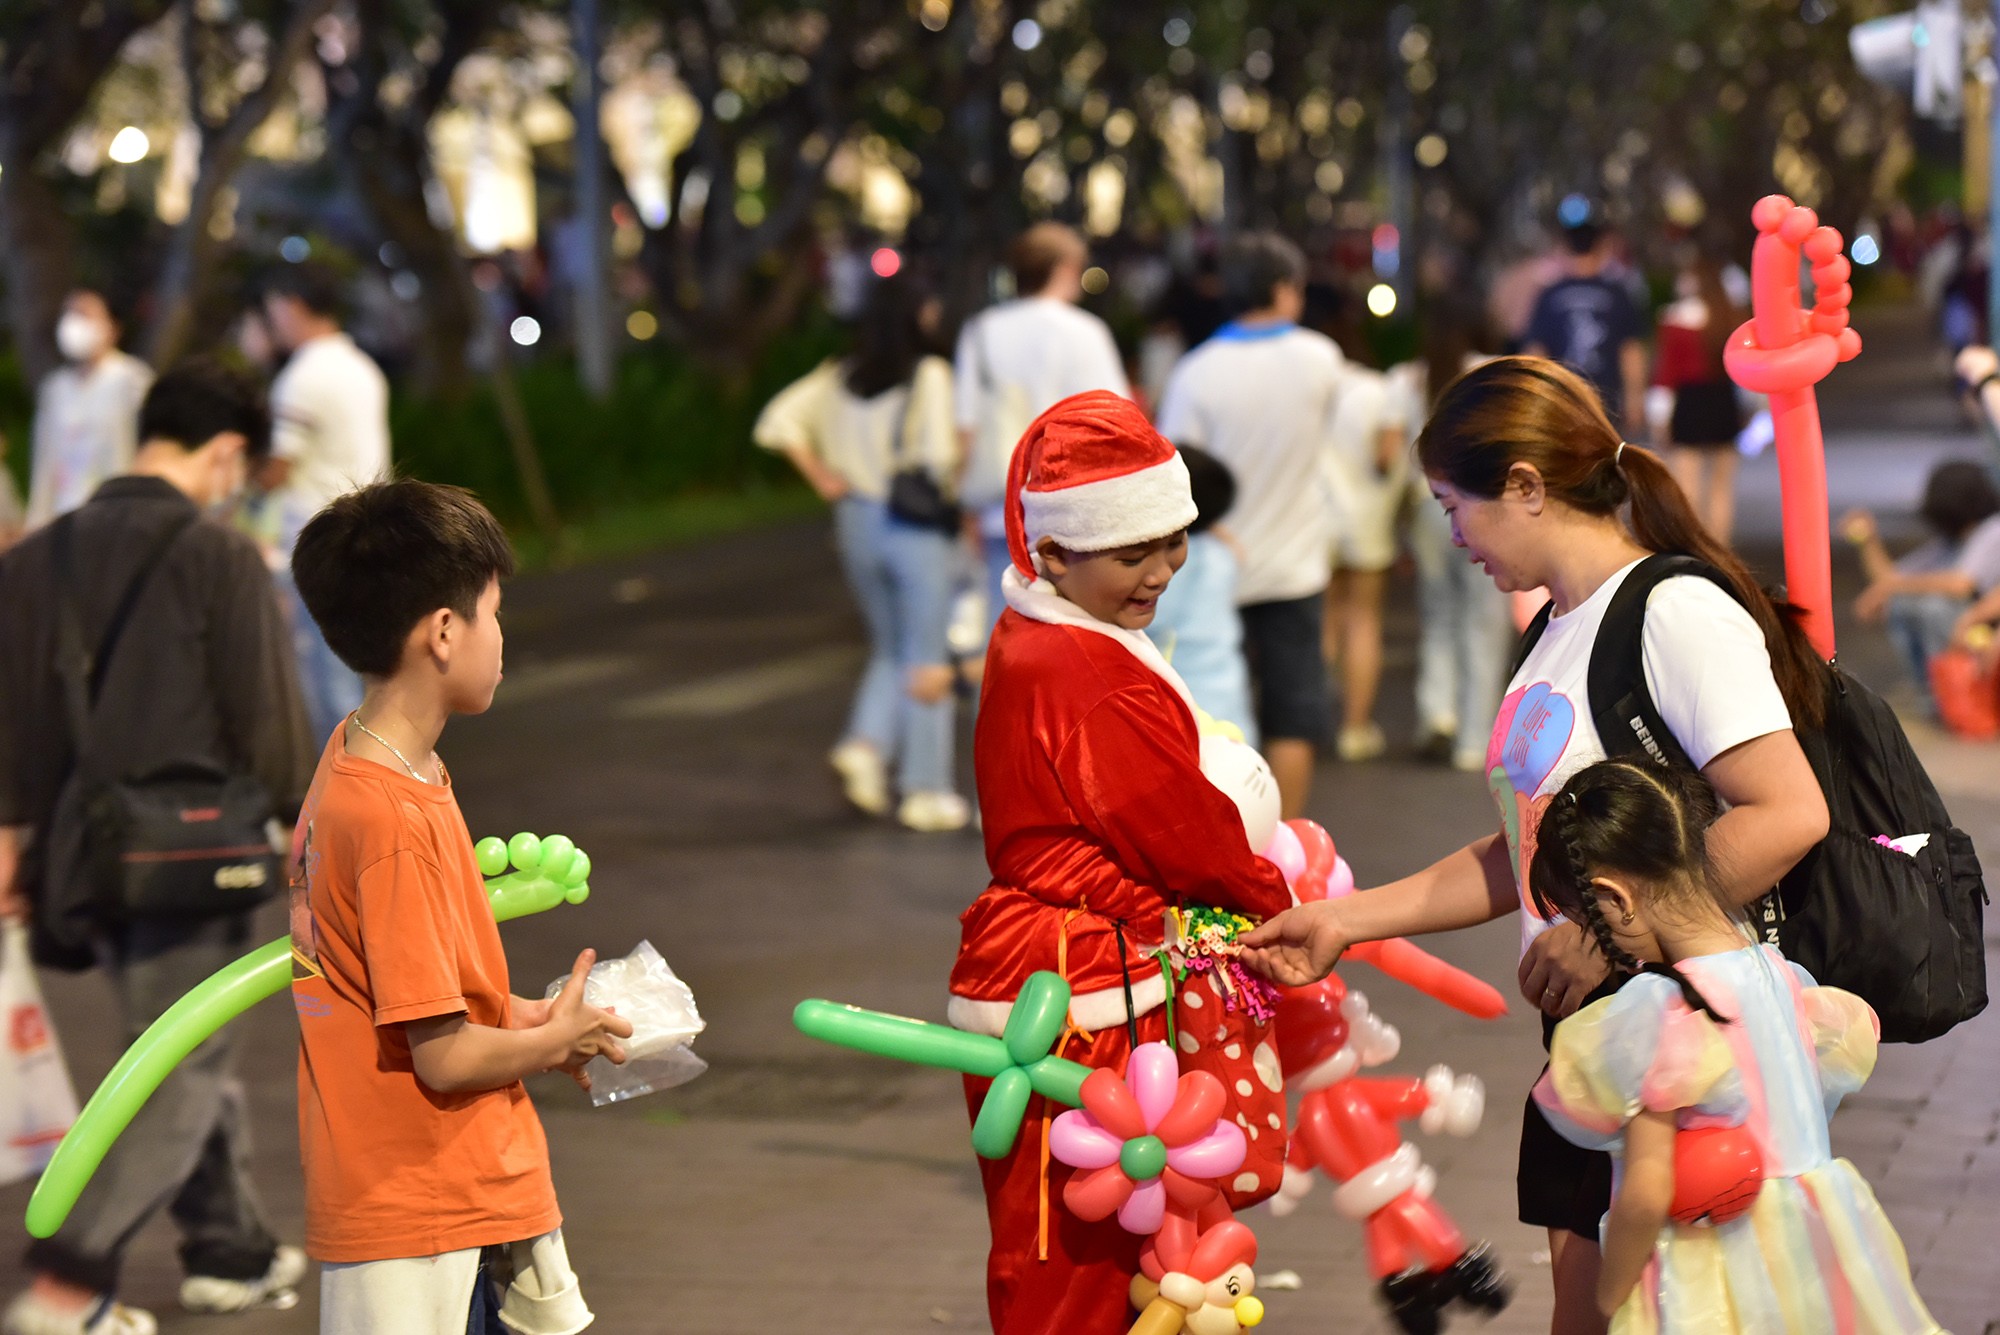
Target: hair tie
<point>1618,455</point>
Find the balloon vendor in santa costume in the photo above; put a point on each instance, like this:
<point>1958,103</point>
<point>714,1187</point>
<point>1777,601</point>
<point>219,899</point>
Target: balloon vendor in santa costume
<point>1097,820</point>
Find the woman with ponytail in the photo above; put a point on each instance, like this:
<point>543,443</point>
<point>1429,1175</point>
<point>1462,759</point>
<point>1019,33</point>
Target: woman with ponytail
<point>1712,1033</point>
<point>1543,492</point>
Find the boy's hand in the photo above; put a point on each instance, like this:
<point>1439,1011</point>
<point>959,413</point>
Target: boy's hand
<point>1298,947</point>
<point>582,1029</point>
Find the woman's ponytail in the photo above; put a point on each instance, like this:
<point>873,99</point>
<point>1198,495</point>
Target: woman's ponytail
<point>1663,521</point>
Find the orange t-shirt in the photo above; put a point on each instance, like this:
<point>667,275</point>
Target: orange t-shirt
<point>389,924</point>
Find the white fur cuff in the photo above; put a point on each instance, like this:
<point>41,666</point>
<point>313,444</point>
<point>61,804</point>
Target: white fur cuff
<point>1115,512</point>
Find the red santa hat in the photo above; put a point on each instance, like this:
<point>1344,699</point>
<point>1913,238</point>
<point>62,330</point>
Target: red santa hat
<point>1092,474</point>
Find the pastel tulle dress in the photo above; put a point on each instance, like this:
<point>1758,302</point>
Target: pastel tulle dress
<point>1814,1255</point>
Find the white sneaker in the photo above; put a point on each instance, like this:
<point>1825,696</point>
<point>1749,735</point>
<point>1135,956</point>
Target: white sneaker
<point>935,813</point>
<point>1365,742</point>
<point>278,1287</point>
<point>31,1315</point>
<point>863,776</point>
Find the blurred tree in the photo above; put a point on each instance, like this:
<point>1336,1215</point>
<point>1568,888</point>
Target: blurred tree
<point>52,57</point>
<point>238,65</point>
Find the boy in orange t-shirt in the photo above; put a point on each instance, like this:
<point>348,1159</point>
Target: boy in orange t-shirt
<point>421,1148</point>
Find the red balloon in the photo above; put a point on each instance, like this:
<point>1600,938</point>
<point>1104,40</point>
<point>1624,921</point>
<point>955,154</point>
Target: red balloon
<point>1310,1025</point>
<point>1098,1193</point>
<point>1718,1171</point>
<point>1198,1102</point>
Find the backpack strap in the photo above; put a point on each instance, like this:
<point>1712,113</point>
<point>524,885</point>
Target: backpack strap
<point>1627,718</point>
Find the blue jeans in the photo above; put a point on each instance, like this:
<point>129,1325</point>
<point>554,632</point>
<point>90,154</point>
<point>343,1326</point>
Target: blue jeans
<point>1920,624</point>
<point>902,578</point>
<point>331,689</point>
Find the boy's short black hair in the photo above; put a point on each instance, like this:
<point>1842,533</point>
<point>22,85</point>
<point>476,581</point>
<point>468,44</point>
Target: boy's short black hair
<point>1254,266</point>
<point>377,561</point>
<point>1214,487</point>
<point>199,399</point>
<point>312,284</point>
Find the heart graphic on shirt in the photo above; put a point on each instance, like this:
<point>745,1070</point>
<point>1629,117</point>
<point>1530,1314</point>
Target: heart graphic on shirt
<point>1538,732</point>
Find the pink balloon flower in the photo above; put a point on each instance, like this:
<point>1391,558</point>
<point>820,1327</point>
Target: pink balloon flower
<point>1155,1135</point>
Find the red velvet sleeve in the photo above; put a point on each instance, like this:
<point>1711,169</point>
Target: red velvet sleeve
<point>1137,789</point>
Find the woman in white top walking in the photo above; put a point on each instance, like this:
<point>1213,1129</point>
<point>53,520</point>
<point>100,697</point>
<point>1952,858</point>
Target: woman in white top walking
<point>851,427</point>
<point>1538,485</point>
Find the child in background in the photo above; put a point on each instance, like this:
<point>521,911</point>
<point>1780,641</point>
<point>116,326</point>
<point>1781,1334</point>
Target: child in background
<point>1710,1031</point>
<point>1197,627</point>
<point>422,1152</point>
<point>1097,818</point>
<point>1923,596</point>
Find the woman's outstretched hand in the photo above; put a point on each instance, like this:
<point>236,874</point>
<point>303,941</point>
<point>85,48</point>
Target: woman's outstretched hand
<point>1298,947</point>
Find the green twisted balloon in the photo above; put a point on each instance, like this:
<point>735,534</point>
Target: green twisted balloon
<point>1018,1062</point>
<point>544,873</point>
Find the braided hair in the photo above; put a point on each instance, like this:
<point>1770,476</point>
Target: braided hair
<point>1648,822</point>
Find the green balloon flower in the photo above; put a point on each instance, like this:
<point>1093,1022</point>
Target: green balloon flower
<point>524,875</point>
<point>1018,1062</point>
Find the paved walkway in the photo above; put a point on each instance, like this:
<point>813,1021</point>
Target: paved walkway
<point>670,712</point>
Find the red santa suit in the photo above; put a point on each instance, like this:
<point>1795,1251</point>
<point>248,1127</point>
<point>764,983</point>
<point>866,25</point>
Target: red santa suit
<point>1096,818</point>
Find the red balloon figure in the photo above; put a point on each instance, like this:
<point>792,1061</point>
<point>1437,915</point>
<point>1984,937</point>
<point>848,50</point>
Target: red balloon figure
<point>1348,1124</point>
<point>1784,350</point>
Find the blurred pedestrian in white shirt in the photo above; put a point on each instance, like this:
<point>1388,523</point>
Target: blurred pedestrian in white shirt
<point>86,410</point>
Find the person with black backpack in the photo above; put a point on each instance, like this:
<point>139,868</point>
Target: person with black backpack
<point>151,734</point>
<point>1542,491</point>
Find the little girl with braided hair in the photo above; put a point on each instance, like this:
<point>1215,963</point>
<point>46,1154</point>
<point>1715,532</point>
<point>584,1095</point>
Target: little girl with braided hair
<point>1710,1030</point>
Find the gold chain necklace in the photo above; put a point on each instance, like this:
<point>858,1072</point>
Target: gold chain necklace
<point>386,745</point>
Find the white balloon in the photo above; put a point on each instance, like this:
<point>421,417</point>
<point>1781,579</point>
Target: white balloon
<point>1241,773</point>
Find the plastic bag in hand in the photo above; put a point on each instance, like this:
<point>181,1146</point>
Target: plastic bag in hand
<point>642,989</point>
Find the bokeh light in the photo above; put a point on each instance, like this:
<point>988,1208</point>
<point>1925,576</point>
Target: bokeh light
<point>1381,301</point>
<point>1866,249</point>
<point>642,325</point>
<point>1027,34</point>
<point>1095,280</point>
<point>886,262</point>
<point>526,330</point>
<point>129,145</point>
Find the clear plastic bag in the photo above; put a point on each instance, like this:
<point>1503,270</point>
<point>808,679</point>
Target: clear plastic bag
<point>642,989</point>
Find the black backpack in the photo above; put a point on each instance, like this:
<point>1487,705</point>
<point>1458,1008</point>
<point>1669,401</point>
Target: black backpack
<point>1905,933</point>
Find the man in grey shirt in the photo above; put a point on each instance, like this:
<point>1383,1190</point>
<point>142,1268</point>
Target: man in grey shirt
<point>202,673</point>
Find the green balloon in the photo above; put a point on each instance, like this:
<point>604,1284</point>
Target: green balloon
<point>525,851</point>
<point>903,1039</point>
<point>1036,1021</point>
<point>196,1017</point>
<point>579,872</point>
<point>556,854</point>
<point>1143,1159</point>
<point>1000,1116</point>
<point>1059,1080</point>
<point>492,856</point>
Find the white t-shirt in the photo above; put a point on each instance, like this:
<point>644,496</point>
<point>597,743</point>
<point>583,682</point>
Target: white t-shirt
<point>858,438</point>
<point>1015,361</point>
<point>330,419</point>
<point>1708,670</point>
<point>86,430</point>
<point>1263,400</point>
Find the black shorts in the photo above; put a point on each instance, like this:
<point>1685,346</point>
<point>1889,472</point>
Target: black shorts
<point>1559,1184</point>
<point>1706,415</point>
<point>1287,655</point>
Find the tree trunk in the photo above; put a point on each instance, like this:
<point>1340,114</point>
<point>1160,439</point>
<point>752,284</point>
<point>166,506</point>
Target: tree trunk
<point>35,239</point>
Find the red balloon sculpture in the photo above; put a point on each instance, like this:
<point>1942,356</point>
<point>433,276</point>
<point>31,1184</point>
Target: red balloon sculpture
<point>1348,1124</point>
<point>1784,350</point>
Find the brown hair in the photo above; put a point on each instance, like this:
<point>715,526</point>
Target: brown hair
<point>1038,252</point>
<point>1530,410</point>
<point>1723,314</point>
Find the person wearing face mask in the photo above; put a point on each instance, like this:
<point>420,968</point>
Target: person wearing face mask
<point>85,410</point>
<point>329,435</point>
<point>199,674</point>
